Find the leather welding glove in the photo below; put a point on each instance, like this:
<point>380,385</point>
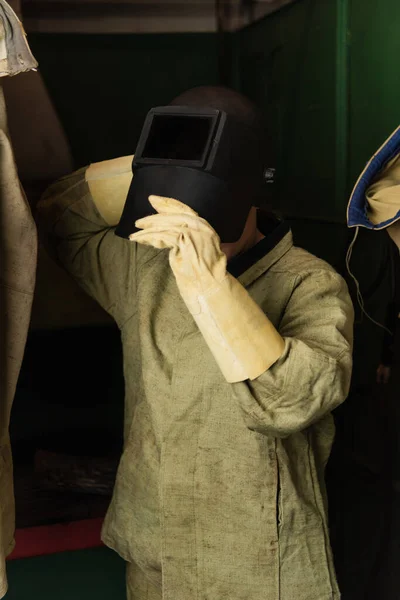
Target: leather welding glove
<point>240,336</point>
<point>109,183</point>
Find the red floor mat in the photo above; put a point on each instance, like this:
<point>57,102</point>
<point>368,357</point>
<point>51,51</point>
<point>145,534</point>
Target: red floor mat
<point>50,539</point>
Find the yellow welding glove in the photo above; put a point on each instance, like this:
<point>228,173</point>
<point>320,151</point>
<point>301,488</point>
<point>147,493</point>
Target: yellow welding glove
<point>109,183</point>
<point>240,336</point>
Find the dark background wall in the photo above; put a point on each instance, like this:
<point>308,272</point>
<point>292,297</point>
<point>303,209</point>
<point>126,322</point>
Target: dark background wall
<point>103,85</point>
<point>374,77</point>
<point>287,64</point>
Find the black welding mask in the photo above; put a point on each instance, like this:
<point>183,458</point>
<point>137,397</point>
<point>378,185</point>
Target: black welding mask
<point>210,159</point>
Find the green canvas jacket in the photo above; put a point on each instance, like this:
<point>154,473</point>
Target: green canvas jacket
<point>220,488</point>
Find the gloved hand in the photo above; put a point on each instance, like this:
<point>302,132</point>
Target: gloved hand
<point>240,336</point>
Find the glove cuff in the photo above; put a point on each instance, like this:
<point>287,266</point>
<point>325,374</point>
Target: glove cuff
<point>242,339</point>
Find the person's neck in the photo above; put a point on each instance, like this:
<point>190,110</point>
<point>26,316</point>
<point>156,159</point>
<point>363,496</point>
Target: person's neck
<point>250,237</point>
<point>252,241</point>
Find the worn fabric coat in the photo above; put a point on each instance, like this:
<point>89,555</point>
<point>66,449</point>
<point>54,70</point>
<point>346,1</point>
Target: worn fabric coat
<point>220,491</point>
<point>18,246</point>
<point>18,236</point>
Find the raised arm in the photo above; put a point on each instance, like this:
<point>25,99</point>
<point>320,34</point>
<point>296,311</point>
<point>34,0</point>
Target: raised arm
<point>77,215</point>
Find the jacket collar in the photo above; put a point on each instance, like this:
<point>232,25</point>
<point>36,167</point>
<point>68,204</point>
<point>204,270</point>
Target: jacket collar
<point>252,264</point>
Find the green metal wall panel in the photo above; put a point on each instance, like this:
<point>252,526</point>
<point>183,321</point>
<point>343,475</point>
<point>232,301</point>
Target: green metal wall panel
<point>327,72</point>
<point>374,78</point>
<point>287,63</point>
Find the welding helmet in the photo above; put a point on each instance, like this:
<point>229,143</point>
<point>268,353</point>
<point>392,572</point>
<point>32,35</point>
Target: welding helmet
<point>208,149</point>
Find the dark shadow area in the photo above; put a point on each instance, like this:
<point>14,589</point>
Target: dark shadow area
<point>67,424</point>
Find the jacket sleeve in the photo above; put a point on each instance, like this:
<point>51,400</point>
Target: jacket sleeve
<point>78,238</point>
<point>312,377</point>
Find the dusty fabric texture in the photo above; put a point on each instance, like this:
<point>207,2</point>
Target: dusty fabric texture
<point>18,247</point>
<point>220,491</point>
<point>15,54</point>
<point>138,587</point>
<point>40,145</point>
<point>17,280</point>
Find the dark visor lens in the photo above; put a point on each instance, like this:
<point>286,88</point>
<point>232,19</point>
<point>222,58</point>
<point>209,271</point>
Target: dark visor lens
<point>177,137</point>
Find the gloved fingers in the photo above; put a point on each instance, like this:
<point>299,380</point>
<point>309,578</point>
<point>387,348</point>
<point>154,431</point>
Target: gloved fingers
<point>157,239</point>
<point>168,206</point>
<point>167,222</point>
